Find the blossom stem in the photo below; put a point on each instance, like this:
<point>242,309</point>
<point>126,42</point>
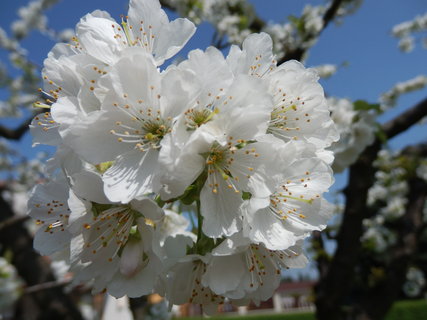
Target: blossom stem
<point>193,223</point>
<point>199,222</point>
<point>159,201</point>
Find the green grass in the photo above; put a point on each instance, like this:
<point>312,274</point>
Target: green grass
<point>408,310</point>
<point>289,316</point>
<point>401,310</point>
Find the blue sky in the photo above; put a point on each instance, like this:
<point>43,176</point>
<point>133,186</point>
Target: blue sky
<point>363,41</point>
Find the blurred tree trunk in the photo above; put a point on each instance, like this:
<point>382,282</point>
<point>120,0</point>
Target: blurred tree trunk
<point>138,307</point>
<point>380,298</point>
<point>336,283</point>
<point>333,291</point>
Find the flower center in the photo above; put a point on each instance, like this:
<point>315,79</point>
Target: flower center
<point>287,118</point>
<point>197,117</point>
<point>216,157</point>
<point>229,163</point>
<point>109,230</point>
<point>155,130</point>
<point>145,129</point>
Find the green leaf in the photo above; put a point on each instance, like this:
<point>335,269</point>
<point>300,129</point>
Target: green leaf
<point>381,134</point>
<point>159,201</point>
<point>298,23</point>
<point>243,23</point>
<point>246,195</point>
<point>98,208</point>
<point>293,19</point>
<point>190,195</point>
<point>361,105</point>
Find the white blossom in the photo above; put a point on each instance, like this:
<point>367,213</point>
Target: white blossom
<point>299,106</point>
<point>6,42</point>
<point>326,70</point>
<point>422,171</point>
<point>239,269</point>
<point>405,30</point>
<point>48,206</point>
<point>415,281</point>
<point>389,98</point>
<point>31,17</point>
<point>356,130</point>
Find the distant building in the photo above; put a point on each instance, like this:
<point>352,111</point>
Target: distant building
<point>289,296</point>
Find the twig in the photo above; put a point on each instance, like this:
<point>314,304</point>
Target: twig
<point>15,134</point>
<point>138,307</point>
<point>331,13</point>
<point>166,4</point>
<point>406,119</point>
<point>11,221</point>
<point>46,285</point>
<point>419,150</point>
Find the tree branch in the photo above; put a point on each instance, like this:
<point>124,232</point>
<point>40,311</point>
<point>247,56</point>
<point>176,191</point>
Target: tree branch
<point>167,5</point>
<point>138,306</point>
<point>406,119</point>
<point>46,285</point>
<point>331,13</point>
<point>15,134</point>
<point>11,221</point>
<point>419,150</point>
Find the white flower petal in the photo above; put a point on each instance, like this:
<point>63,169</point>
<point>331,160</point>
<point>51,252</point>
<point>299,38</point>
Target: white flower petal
<point>131,258</point>
<point>148,208</point>
<point>151,24</point>
<point>50,241</point>
<point>86,136</point>
<point>89,185</point>
<point>131,176</point>
<point>256,58</point>
<point>97,36</point>
<point>265,228</point>
<point>220,210</point>
<point>44,130</point>
<point>224,274</point>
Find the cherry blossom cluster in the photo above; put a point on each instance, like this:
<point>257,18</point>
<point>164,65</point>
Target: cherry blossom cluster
<point>32,17</point>
<point>405,32</point>
<point>415,281</point>
<point>356,129</point>
<point>198,181</point>
<point>389,99</point>
<point>389,196</point>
